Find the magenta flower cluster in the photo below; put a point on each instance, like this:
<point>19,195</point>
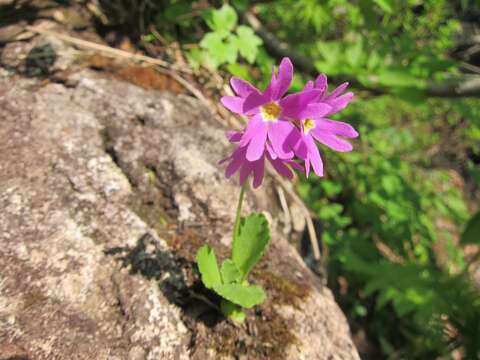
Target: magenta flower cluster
<point>283,129</point>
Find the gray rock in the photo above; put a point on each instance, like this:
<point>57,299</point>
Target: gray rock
<point>107,190</point>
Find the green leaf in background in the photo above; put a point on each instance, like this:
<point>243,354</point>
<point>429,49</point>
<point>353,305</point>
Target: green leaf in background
<point>331,53</point>
<point>246,296</point>
<point>355,54</point>
<point>399,77</point>
<point>195,57</point>
<point>230,272</point>
<point>330,211</point>
<point>471,235</point>
<point>241,71</point>
<point>250,242</point>
<point>212,41</point>
<point>207,264</point>
<point>223,19</point>
<point>411,95</point>
<point>176,10</point>
<point>385,5</point>
<point>219,51</point>
<point>241,5</point>
<point>248,43</point>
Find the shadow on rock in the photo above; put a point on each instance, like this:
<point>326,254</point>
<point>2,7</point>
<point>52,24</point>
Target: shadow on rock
<point>177,278</point>
<point>38,62</point>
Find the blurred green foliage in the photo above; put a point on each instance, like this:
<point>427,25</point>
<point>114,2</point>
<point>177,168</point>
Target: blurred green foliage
<point>391,219</point>
<point>397,45</point>
<point>226,41</point>
<point>393,212</point>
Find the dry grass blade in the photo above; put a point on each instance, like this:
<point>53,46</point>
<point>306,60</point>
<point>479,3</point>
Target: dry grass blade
<point>108,50</point>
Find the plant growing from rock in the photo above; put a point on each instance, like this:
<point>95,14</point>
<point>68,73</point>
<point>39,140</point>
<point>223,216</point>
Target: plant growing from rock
<point>283,130</point>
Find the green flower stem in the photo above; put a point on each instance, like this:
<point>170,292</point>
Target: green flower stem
<point>239,210</point>
<point>232,311</point>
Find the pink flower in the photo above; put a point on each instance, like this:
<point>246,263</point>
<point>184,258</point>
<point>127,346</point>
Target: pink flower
<point>335,99</point>
<point>315,125</point>
<point>269,112</point>
<point>285,129</point>
<point>237,161</point>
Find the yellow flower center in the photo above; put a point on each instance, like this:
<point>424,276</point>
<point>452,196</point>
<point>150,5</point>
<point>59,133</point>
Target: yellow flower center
<point>270,111</point>
<point>308,124</point>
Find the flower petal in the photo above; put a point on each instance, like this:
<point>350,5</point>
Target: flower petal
<point>321,83</point>
<point>314,156</point>
<point>337,91</point>
<point>251,130</point>
<point>307,167</point>
<point>315,110</point>
<point>268,93</point>
<point>309,85</point>
<point>242,88</point>
<point>299,147</point>
<point>281,168</point>
<point>338,128</point>
<point>233,103</point>
<point>340,102</point>
<point>236,160</point>
<point>258,172</point>
<point>270,151</point>
<point>233,136</point>
<point>295,165</point>
<point>256,146</point>
<point>279,134</point>
<point>245,171</point>
<point>333,142</point>
<point>253,101</point>
<point>292,105</point>
<point>284,79</point>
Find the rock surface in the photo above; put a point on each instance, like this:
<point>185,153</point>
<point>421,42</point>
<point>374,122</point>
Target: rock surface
<point>107,190</point>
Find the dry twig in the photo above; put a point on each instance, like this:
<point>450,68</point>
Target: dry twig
<point>108,50</point>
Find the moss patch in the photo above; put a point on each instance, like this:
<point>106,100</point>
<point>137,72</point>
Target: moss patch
<point>283,290</point>
<point>265,335</point>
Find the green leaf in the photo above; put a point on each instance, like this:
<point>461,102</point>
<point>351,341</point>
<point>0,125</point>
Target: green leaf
<point>173,11</point>
<point>230,272</point>
<point>411,95</point>
<point>246,296</point>
<point>400,78</point>
<point>223,19</point>
<point>247,43</point>
<point>330,211</point>
<point>250,242</point>
<point>207,264</point>
<point>212,41</point>
<point>355,53</point>
<point>241,5</point>
<point>385,5</point>
<point>194,57</point>
<point>219,51</point>
<point>232,311</point>
<point>241,71</point>
<point>471,235</point>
